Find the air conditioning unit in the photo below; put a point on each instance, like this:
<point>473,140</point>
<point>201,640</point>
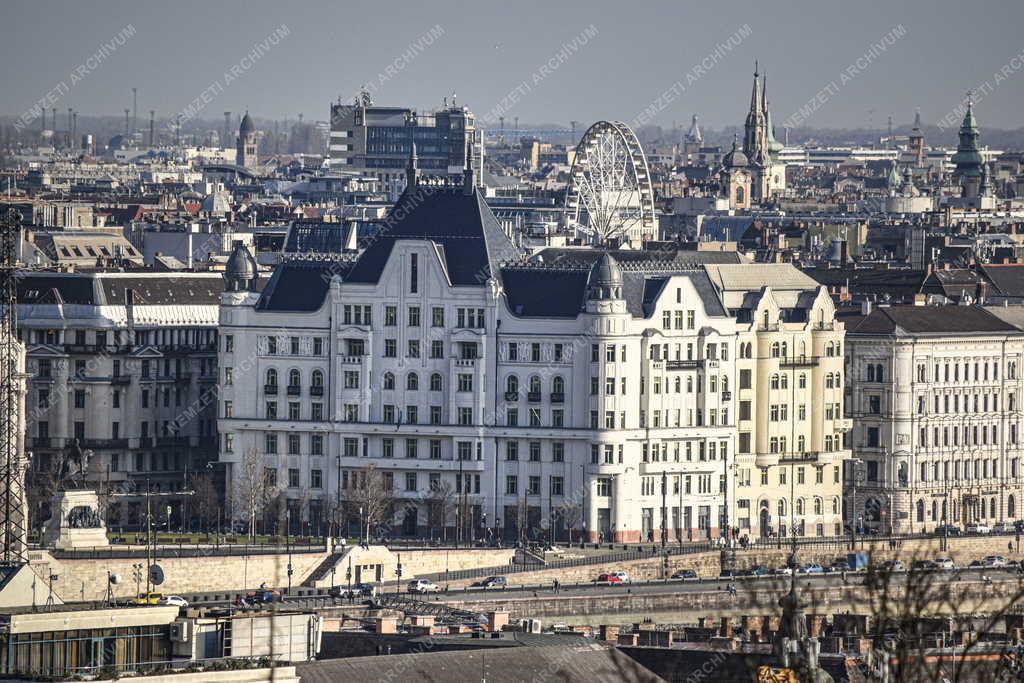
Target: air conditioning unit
<point>181,630</point>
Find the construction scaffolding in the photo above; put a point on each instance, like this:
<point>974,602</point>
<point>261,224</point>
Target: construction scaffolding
<point>13,461</point>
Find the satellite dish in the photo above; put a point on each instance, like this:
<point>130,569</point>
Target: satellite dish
<point>114,579</point>
<point>156,575</point>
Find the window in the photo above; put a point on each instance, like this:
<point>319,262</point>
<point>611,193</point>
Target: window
<point>465,382</point>
<point>555,486</point>
<point>465,416</point>
<point>558,451</point>
<point>511,485</point>
<point>604,487</point>
<point>390,348</point>
<point>414,265</point>
<point>270,444</point>
<point>436,348</point>
<point>390,316</point>
<point>294,444</point>
<point>412,382</point>
<point>533,486</point>
<point>437,316</point>
<point>414,316</point>
<point>410,481</point>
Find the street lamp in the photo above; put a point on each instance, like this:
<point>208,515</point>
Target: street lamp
<point>288,544</point>
<point>664,509</point>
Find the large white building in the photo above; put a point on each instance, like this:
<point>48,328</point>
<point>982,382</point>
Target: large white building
<point>578,389</point>
<point>934,395</point>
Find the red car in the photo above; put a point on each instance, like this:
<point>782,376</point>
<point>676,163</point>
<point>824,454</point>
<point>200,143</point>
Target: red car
<point>613,577</point>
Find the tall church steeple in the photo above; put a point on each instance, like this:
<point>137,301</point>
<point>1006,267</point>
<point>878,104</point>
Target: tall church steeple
<point>968,158</point>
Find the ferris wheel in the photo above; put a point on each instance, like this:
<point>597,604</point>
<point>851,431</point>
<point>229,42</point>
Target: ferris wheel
<point>610,196</point>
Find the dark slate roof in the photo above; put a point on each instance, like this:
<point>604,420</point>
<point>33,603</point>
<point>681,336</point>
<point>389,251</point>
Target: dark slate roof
<point>318,237</point>
<point>100,289</point>
<point>896,283</point>
<point>468,238</point>
<point>300,285</point>
<point>652,261</point>
<point>1007,279</point>
<point>902,320</point>
<point>584,663</point>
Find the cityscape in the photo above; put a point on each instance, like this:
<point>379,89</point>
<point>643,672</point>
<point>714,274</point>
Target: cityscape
<point>512,342</point>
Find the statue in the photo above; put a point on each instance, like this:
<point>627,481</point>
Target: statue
<point>84,517</point>
<point>74,466</point>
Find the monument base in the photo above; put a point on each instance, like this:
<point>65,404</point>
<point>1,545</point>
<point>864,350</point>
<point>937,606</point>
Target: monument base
<point>75,521</point>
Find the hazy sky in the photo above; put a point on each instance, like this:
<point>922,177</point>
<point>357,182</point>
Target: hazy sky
<point>485,51</point>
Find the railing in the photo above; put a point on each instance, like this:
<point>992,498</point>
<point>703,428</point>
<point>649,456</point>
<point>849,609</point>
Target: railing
<point>511,395</point>
<point>294,390</point>
<point>270,389</point>
<point>557,397</point>
<point>316,390</point>
<point>533,397</point>
<point>120,379</point>
<point>798,362</point>
<point>187,550</point>
<point>682,364</point>
<point>105,443</point>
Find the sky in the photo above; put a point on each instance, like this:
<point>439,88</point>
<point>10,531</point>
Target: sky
<point>829,64</point>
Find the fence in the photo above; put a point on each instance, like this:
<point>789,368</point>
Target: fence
<point>185,550</point>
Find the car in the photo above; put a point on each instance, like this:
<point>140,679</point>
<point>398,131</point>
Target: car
<point>838,566</point>
<point>758,570</point>
<point>262,595</point>
<point>948,530</point>
<point>150,598</point>
<point>944,563</point>
<point>613,577</point>
<point>994,561</point>
<point>975,564</point>
<point>1003,528</point>
<point>811,568</point>
<point>423,586</point>
<point>924,565</point>
<point>978,528</point>
<point>782,571</point>
<point>892,566</point>
<point>175,600</point>
<point>492,582</point>
<point>684,574</point>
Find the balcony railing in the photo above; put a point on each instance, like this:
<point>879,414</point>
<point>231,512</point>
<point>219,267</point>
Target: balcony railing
<point>511,395</point>
<point>316,390</point>
<point>104,443</point>
<point>41,441</point>
<point>682,364</point>
<point>798,362</point>
<point>121,379</point>
<point>294,390</point>
<point>557,397</point>
<point>726,395</point>
<point>533,397</point>
<point>270,389</point>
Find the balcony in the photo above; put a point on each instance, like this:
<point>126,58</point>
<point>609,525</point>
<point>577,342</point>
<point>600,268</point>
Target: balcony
<point>726,395</point>
<point>352,359</point>
<point>316,390</point>
<point>99,444</point>
<point>511,396</point>
<point>798,362</point>
<point>121,379</point>
<point>294,390</point>
<point>270,389</point>
<point>557,397</point>
<point>172,441</point>
<point>183,378</point>
<point>465,362</point>
<point>844,424</point>
<point>682,364</point>
<point>533,397</point>
<point>42,442</point>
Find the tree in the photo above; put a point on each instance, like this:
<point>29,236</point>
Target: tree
<point>42,483</point>
<point>572,515</point>
<point>370,498</point>
<point>205,501</point>
<point>441,502</point>
<point>255,487</point>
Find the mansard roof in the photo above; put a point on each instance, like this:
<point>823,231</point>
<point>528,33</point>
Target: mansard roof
<point>931,320</point>
<point>109,289</point>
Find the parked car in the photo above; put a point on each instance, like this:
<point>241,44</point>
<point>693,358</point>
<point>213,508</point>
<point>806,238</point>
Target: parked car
<point>614,577</point>
<point>492,582</point>
<point>811,568</point>
<point>1003,528</point>
<point>150,598</point>
<point>892,566</point>
<point>944,563</point>
<point>175,600</point>
<point>758,570</point>
<point>782,571</point>
<point>838,566</point>
<point>948,530</point>
<point>423,586</point>
<point>684,574</point>
<point>262,595</point>
<point>994,561</point>
<point>977,528</point>
<point>924,565</point>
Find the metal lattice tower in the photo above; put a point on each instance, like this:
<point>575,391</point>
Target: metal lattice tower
<point>13,512</point>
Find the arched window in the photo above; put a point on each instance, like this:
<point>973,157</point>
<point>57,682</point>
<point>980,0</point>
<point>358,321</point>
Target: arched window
<point>835,506</point>
<point>436,382</point>
<point>801,444</point>
<point>317,378</point>
<point>920,511</point>
<point>785,349</point>
<point>535,385</point>
<point>412,381</point>
<point>740,197</point>
<point>271,377</point>
<point>1011,506</point>
<point>774,382</point>
<point>511,384</point>
<point>878,373</point>
<point>799,506</point>
<point>871,373</point>
<point>782,507</point>
<point>294,378</point>
<point>764,319</point>
<point>725,383</point>
<point>558,384</point>
<point>992,507</point>
<point>784,382</point>
<point>679,385</point>
<point>817,506</point>
<point>388,381</point>
<point>801,380</point>
<point>829,381</point>
<point>775,349</point>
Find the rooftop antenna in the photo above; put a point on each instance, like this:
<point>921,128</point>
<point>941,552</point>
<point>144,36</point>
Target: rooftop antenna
<point>74,127</point>
<point>127,111</point>
<point>135,110</point>
<point>152,129</point>
<point>889,142</point>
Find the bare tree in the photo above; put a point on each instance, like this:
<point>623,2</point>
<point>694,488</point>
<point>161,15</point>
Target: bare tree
<point>572,515</point>
<point>205,501</point>
<point>255,487</point>
<point>370,497</point>
<point>441,505</point>
<point>41,483</point>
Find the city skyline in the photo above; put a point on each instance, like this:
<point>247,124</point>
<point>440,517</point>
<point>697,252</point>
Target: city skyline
<point>518,64</point>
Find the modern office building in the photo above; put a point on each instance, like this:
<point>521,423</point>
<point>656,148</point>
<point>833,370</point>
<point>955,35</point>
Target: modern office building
<point>377,141</point>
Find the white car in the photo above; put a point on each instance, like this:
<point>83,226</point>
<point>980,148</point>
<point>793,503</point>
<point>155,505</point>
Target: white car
<point>423,586</point>
<point>175,600</point>
<point>619,577</point>
<point>979,529</point>
<point>945,563</point>
<point>994,561</point>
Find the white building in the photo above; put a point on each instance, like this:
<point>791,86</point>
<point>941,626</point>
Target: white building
<point>580,389</point>
<point>934,394</point>
<point>124,363</point>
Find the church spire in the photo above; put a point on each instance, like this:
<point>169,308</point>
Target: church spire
<point>412,172</point>
<point>764,93</point>
<point>755,99</point>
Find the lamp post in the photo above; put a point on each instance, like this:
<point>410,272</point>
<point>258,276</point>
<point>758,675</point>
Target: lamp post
<point>337,495</point>
<point>664,509</point>
<point>288,545</point>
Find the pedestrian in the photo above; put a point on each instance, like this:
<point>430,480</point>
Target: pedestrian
<point>1009,546</point>
<point>555,583</point>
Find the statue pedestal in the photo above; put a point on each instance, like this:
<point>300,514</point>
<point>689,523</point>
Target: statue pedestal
<point>75,521</point>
